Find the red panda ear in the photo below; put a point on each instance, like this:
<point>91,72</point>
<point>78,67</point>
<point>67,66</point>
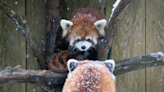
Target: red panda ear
<point>71,64</point>
<point>110,64</point>
<point>100,24</point>
<point>66,26</point>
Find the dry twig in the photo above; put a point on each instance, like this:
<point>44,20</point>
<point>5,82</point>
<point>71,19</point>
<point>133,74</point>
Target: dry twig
<point>19,21</point>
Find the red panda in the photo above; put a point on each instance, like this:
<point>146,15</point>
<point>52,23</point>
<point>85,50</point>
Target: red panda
<point>83,29</point>
<point>89,76</point>
<point>59,60</point>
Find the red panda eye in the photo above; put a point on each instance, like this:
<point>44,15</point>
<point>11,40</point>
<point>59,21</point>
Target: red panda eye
<point>88,39</point>
<point>78,40</point>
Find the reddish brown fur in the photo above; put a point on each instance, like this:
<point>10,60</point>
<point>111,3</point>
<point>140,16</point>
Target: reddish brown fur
<point>83,23</point>
<point>59,60</point>
<point>90,77</point>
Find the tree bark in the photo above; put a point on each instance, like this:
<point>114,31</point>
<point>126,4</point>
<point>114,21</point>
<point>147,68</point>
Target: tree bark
<point>54,13</point>
<point>141,62</point>
<point>104,45</point>
<point>19,75</point>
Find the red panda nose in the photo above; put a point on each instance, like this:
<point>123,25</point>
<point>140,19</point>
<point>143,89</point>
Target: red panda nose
<point>83,47</point>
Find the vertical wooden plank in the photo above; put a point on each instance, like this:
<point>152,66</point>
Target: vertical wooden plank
<point>12,44</point>
<point>129,42</point>
<point>109,6</point>
<point>1,42</point>
<point>71,5</point>
<point>155,43</point>
<point>36,25</point>
<point>99,6</point>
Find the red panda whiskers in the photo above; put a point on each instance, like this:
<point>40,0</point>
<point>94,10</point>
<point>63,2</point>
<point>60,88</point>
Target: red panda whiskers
<point>72,48</point>
<point>86,27</point>
<point>93,47</point>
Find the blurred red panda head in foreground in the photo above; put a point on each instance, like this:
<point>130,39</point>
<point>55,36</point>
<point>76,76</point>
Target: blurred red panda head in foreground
<point>89,76</point>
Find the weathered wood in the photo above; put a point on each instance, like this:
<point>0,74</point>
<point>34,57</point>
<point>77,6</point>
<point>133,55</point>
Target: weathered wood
<point>104,45</point>
<point>109,6</point>
<point>70,6</point>
<point>140,62</point>
<point>129,42</point>
<point>12,44</point>
<point>20,23</point>
<point>54,13</point>
<point>154,43</point>
<point>99,6</point>
<point>19,75</point>
<point>36,27</point>
<point>56,79</point>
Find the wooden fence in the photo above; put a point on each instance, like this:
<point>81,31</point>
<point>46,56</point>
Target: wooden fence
<point>140,31</point>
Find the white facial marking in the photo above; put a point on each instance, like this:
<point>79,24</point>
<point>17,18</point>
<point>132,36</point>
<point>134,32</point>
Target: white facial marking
<point>71,41</point>
<point>78,38</point>
<point>86,44</point>
<point>95,40</point>
<point>88,37</point>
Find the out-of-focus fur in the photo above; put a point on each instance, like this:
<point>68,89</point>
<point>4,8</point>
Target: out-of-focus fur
<point>59,60</point>
<point>89,76</point>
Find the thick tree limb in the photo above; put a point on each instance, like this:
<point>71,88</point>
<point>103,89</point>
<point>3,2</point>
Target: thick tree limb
<point>104,46</point>
<point>19,75</point>
<point>54,12</point>
<point>141,62</point>
<point>19,21</point>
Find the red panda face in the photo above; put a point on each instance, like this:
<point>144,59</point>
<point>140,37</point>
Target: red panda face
<point>83,37</point>
<point>84,29</point>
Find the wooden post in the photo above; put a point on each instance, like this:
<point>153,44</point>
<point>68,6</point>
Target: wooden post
<point>36,21</point>
<point>154,43</point>
<point>12,44</point>
<point>72,5</point>
<point>129,42</point>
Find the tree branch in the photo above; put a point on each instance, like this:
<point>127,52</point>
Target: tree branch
<point>141,62</point>
<point>20,23</point>
<point>19,75</point>
<point>54,12</point>
<point>105,45</point>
